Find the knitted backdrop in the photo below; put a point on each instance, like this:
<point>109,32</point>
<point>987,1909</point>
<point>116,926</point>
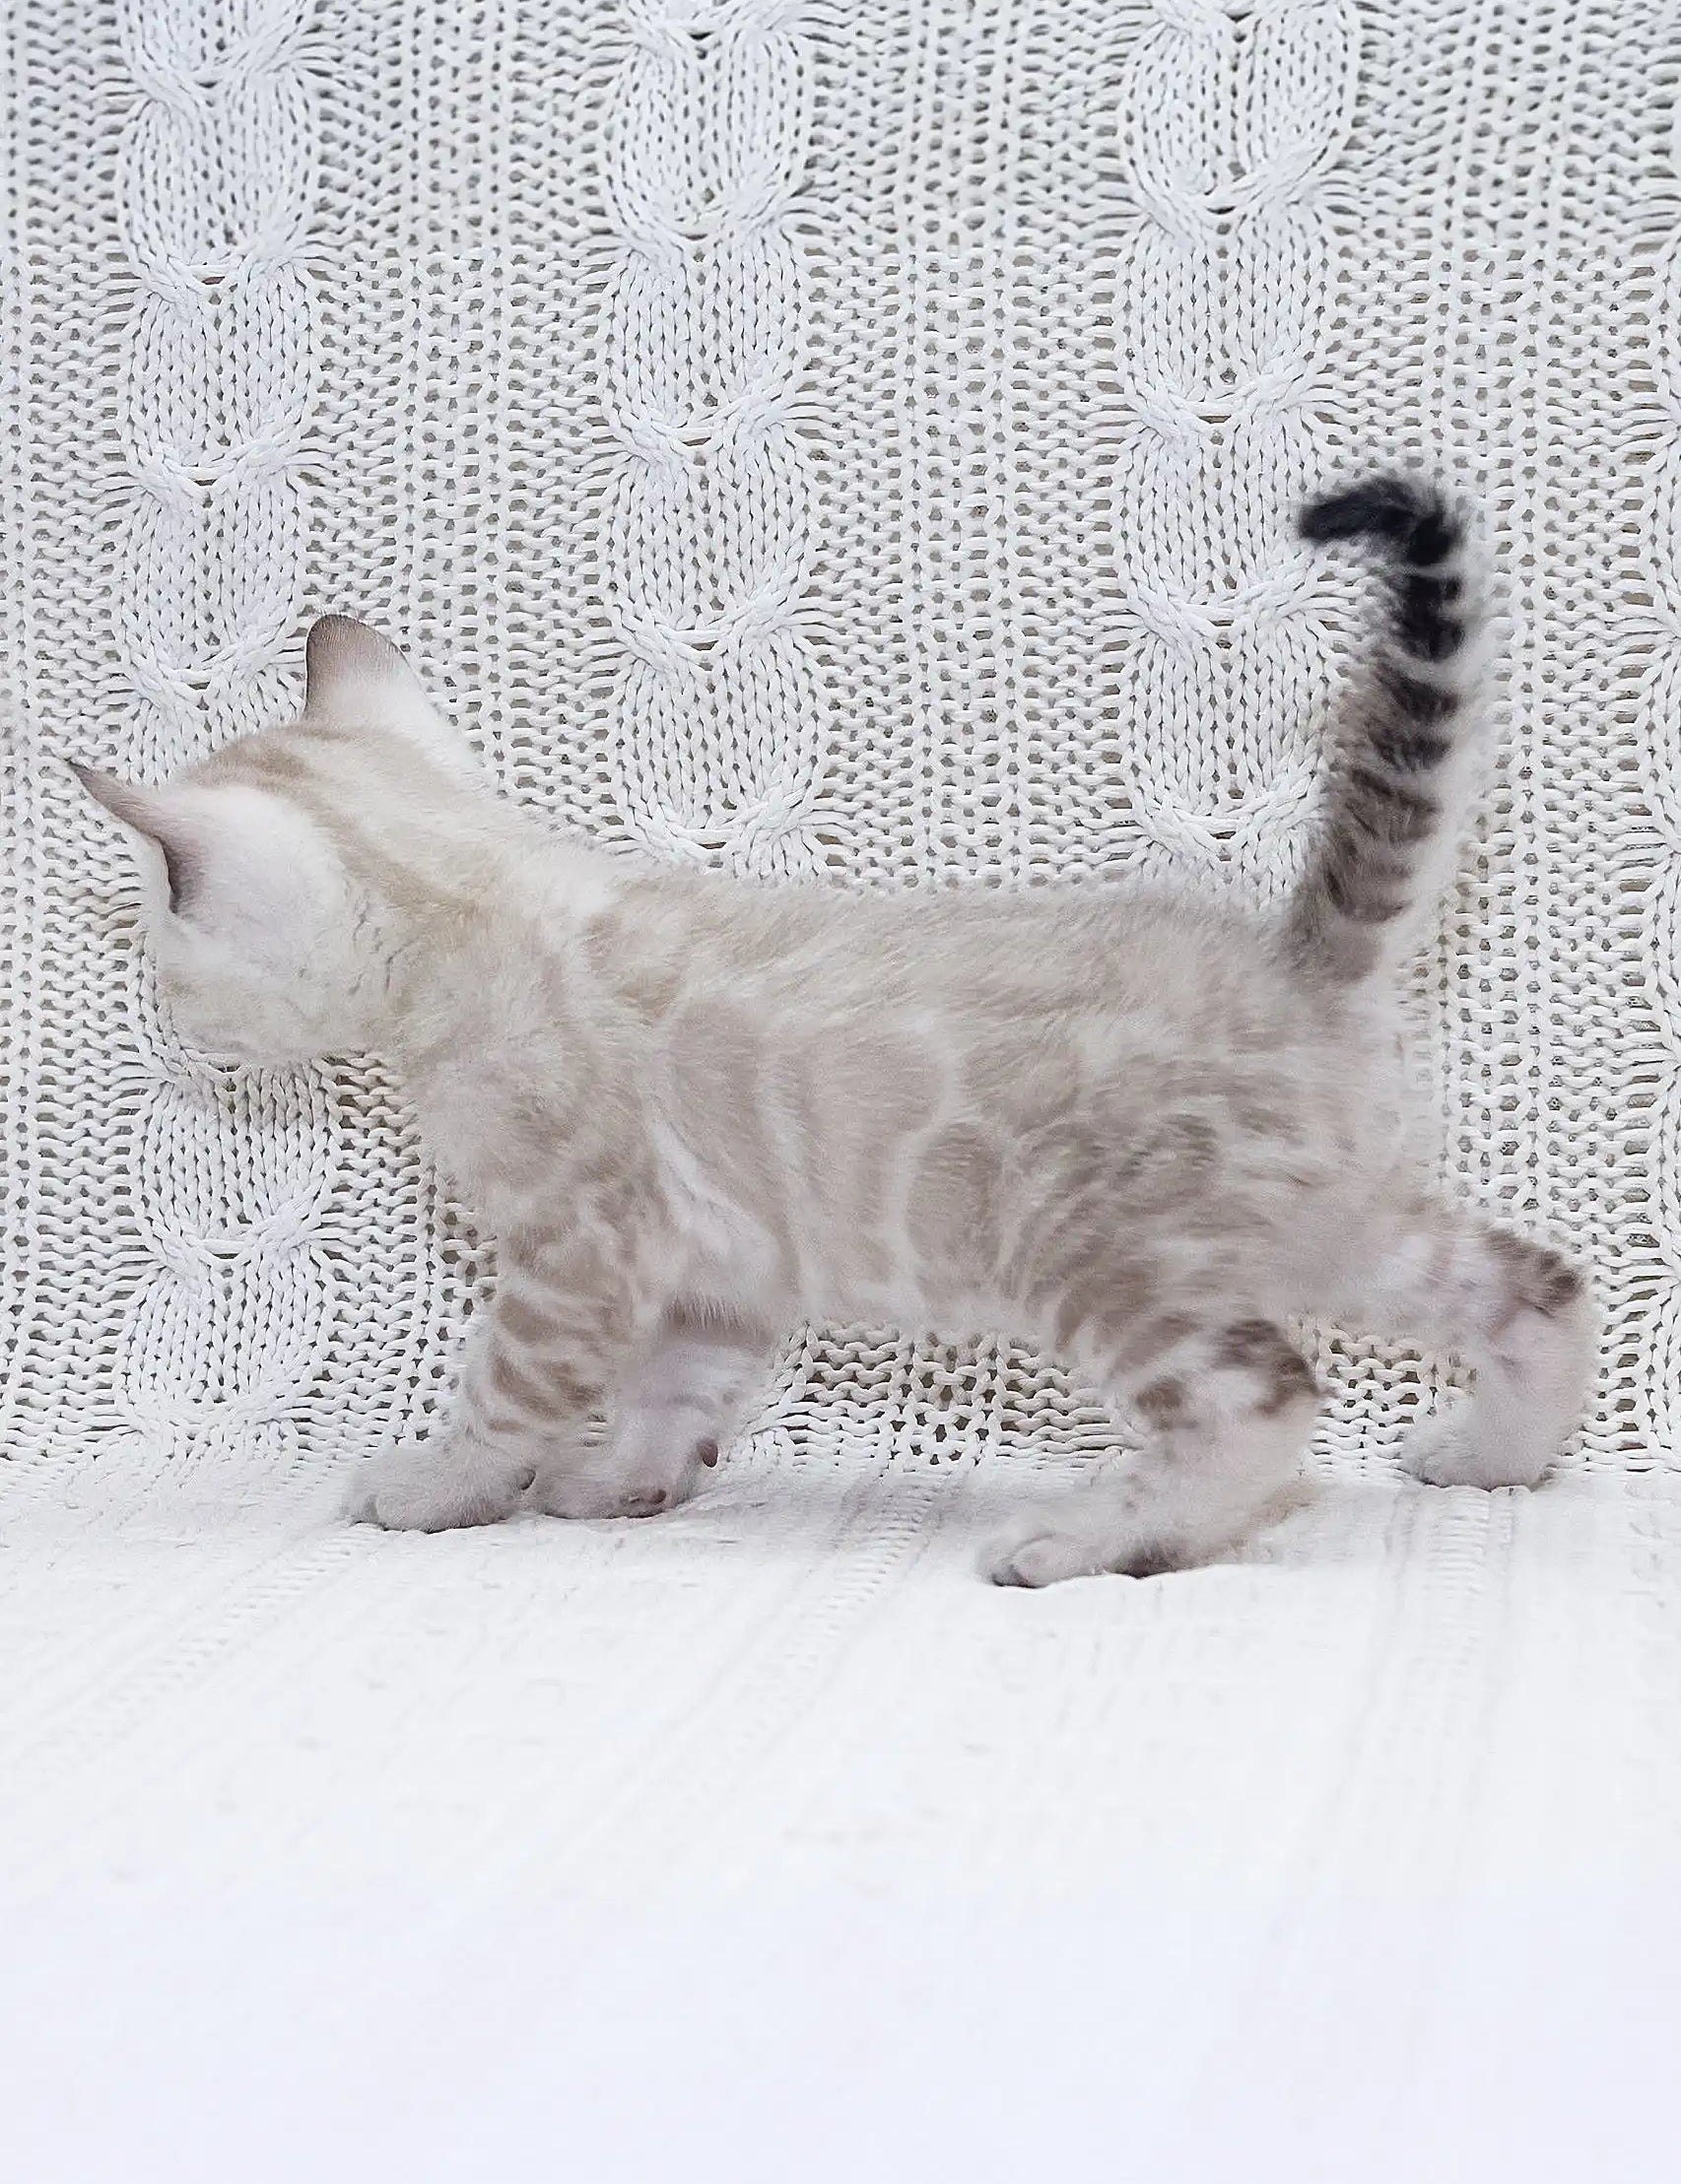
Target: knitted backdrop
<point>849,442</point>
<point>858,441</point>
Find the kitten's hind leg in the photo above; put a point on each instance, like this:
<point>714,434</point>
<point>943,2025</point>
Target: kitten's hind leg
<point>673,1412</point>
<point>1230,1404</point>
<point>1517,1312</point>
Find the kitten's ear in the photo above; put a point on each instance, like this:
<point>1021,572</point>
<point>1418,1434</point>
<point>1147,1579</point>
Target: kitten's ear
<point>351,674</point>
<point>157,814</point>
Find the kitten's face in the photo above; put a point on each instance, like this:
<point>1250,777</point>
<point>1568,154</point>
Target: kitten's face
<point>267,948</point>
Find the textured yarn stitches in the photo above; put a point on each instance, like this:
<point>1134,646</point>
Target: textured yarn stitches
<point>706,531</point>
<point>224,1324</point>
<point>852,442</point>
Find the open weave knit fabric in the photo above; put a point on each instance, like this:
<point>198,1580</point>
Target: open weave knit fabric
<point>853,440</point>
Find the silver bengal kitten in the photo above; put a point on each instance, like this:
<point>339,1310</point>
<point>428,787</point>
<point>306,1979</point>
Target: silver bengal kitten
<point>1146,1131</point>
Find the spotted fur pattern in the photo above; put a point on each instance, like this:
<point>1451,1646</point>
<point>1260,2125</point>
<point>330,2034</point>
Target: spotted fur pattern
<point>1141,1129</point>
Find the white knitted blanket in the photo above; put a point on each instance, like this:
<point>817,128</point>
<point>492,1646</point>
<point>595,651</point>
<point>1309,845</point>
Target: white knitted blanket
<point>854,438</point>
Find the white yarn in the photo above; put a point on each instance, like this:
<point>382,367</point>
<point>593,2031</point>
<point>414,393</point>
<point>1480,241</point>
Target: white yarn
<point>854,440</point>
<point>831,446</point>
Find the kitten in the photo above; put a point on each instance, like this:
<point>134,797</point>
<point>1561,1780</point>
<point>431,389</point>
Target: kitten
<point>1143,1130</point>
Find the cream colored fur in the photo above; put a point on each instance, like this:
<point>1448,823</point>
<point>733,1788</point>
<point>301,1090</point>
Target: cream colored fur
<point>1131,1127</point>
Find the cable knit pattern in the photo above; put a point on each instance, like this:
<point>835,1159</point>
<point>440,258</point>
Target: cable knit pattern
<point>854,440</point>
<point>1229,125</point>
<point>705,527</point>
<point>811,440</point>
<point>1658,1326</point>
<point>224,1326</point>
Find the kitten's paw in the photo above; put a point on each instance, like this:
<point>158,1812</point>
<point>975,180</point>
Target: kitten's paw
<point>432,1486</point>
<point>1447,1450</point>
<point>1046,1557</point>
<point>651,1464</point>
<point>644,1491</point>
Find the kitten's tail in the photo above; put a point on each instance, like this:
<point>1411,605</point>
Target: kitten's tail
<point>1407,765</point>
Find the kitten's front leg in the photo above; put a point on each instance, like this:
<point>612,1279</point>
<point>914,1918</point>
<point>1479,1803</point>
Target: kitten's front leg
<point>677,1405</point>
<point>539,1364</point>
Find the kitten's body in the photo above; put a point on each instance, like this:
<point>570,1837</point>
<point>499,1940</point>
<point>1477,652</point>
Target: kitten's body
<point>919,1109</point>
<point>1133,1127</point>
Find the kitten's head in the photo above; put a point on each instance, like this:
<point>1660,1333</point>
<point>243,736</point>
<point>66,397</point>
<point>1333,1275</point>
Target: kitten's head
<point>270,871</point>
